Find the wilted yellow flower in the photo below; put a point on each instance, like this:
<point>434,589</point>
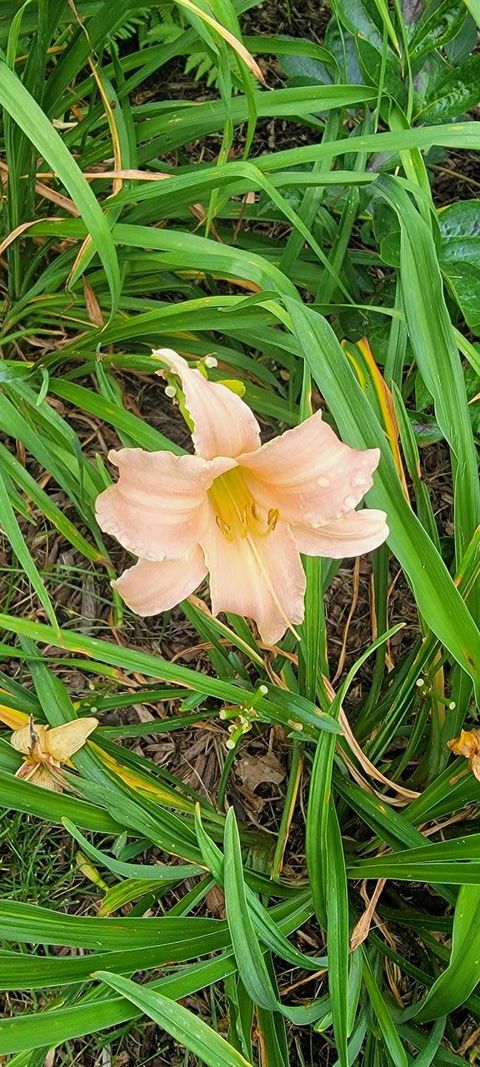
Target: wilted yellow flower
<point>468,745</point>
<point>46,749</point>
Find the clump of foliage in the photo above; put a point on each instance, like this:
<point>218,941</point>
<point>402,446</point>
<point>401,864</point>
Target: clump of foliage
<point>323,274</point>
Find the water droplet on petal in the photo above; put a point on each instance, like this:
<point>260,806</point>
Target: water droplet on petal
<point>349,502</point>
<point>360,480</point>
<point>323,481</point>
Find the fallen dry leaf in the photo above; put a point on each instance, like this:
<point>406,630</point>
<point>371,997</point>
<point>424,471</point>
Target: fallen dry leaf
<point>215,902</point>
<point>256,770</point>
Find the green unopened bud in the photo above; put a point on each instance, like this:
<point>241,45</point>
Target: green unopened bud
<point>234,384</point>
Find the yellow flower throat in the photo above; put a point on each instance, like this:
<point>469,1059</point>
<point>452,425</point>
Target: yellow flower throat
<point>237,513</point>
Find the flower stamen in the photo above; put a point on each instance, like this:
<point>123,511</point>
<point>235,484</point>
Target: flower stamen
<point>236,512</point>
<point>224,527</point>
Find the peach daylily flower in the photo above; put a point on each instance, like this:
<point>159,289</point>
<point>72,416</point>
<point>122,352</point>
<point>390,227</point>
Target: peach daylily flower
<point>238,510</point>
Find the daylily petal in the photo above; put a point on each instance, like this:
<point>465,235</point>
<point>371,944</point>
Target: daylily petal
<point>21,740</point>
<point>150,587</point>
<point>155,507</point>
<point>309,474</point>
<point>467,744</point>
<point>258,576</point>
<point>27,770</point>
<point>351,535</point>
<point>29,738</point>
<point>63,741</point>
<point>43,777</point>
<point>223,424</point>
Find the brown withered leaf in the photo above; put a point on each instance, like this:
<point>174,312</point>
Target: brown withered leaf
<point>93,307</point>
<point>258,770</point>
<point>215,902</point>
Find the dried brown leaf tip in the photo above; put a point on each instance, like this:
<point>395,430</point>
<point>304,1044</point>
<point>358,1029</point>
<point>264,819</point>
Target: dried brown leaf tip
<point>468,745</point>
